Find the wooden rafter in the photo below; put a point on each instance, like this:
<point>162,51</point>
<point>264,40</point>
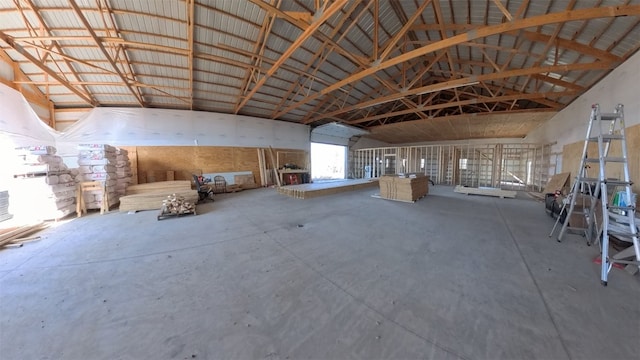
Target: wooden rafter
<point>336,6</point>
<point>104,51</point>
<point>474,79</point>
<point>573,15</point>
<point>17,47</point>
<point>190,4</point>
<point>478,99</point>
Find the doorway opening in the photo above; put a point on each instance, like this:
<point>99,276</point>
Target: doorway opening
<point>328,162</point>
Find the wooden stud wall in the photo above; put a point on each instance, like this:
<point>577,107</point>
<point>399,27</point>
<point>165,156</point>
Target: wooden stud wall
<point>571,154</point>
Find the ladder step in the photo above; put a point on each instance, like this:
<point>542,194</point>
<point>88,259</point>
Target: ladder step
<point>613,207</point>
<point>607,137</point>
<point>609,116</point>
<point>607,159</point>
<point>620,234</point>
<point>609,182</point>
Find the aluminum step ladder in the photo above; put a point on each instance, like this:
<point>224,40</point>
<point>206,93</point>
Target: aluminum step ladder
<point>618,218</point>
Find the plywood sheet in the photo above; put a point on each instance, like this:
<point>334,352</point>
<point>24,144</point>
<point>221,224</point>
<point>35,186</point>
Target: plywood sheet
<point>153,162</point>
<point>557,182</point>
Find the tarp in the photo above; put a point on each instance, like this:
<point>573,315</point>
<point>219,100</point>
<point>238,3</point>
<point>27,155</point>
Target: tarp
<point>19,124</point>
<point>164,127</point>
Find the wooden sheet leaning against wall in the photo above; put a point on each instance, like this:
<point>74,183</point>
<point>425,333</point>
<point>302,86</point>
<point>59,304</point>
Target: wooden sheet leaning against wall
<point>155,161</point>
<point>571,154</point>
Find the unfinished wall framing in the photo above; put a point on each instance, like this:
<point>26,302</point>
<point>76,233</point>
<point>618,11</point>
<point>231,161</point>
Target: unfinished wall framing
<point>507,166</point>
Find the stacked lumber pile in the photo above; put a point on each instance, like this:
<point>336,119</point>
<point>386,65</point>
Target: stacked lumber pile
<point>4,206</point>
<point>151,196</point>
<point>404,187</point>
<point>19,233</point>
<point>97,162</point>
<point>43,186</point>
<point>123,171</point>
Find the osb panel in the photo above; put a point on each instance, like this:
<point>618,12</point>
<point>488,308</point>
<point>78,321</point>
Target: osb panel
<point>571,158</point>
<point>298,158</point>
<point>462,127</point>
<point>153,162</point>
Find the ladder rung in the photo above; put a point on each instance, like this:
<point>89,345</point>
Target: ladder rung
<point>613,182</point>
<point>588,179</point>
<point>619,234</point>
<point>607,159</point>
<point>615,207</point>
<point>609,182</point>
<point>607,137</point>
<point>609,116</point>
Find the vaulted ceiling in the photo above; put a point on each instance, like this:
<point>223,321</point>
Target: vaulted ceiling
<point>407,70</point>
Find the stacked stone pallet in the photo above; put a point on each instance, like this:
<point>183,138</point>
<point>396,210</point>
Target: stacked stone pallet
<point>4,206</point>
<point>43,186</point>
<point>123,171</point>
<point>97,162</point>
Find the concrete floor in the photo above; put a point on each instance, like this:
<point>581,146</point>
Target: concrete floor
<point>257,275</point>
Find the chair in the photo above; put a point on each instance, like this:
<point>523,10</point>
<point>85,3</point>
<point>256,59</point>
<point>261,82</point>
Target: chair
<point>204,191</point>
<point>293,179</point>
<point>219,184</point>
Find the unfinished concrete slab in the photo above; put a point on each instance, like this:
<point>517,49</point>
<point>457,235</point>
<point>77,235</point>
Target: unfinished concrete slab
<point>259,275</point>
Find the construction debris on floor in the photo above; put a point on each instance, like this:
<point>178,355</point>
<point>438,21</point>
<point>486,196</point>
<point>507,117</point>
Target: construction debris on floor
<point>485,191</point>
<point>150,196</point>
<point>176,205</point>
<point>20,234</point>
<point>404,187</point>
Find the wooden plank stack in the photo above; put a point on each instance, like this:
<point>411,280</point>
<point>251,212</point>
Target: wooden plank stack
<point>150,196</point>
<point>43,186</point>
<point>97,162</point>
<point>20,233</point>
<point>405,187</point>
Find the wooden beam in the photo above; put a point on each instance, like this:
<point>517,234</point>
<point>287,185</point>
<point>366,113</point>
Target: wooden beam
<point>190,34</point>
<point>308,32</point>
<point>600,65</point>
<point>17,47</point>
<point>104,51</point>
<point>403,30</point>
<point>503,9</point>
<point>478,99</point>
<point>482,32</point>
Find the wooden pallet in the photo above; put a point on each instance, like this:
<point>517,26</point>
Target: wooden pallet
<point>164,215</point>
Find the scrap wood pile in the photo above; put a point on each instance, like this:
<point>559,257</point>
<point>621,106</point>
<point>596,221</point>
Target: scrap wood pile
<point>19,234</point>
<point>151,196</point>
<point>177,205</point>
